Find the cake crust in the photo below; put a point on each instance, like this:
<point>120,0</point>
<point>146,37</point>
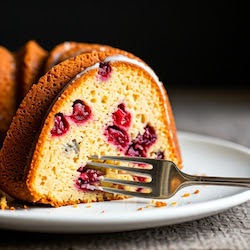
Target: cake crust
<point>31,59</point>
<point>7,90</point>
<point>69,49</point>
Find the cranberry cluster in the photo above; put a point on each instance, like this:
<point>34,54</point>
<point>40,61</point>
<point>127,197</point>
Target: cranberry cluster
<point>88,178</point>
<point>80,114</point>
<point>117,133</point>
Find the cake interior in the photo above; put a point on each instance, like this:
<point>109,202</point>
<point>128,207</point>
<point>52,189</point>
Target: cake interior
<point>115,109</point>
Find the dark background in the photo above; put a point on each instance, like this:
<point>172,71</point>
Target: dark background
<point>202,45</point>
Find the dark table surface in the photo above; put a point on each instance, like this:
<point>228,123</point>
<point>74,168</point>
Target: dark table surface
<point>221,114</point>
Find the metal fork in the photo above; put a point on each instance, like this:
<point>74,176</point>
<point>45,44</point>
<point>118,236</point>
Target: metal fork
<point>166,178</point>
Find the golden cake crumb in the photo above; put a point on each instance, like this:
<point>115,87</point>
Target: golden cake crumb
<point>196,191</point>
<point>139,209</point>
<point>3,203</point>
<point>174,203</point>
<point>186,195</point>
<point>160,204</point>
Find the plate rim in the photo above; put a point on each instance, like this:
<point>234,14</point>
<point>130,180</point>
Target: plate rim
<point>213,140</point>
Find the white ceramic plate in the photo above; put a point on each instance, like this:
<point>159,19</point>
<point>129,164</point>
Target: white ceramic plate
<point>201,155</point>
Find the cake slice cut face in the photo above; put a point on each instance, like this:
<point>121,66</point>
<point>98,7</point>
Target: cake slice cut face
<point>98,103</point>
<point>115,107</point>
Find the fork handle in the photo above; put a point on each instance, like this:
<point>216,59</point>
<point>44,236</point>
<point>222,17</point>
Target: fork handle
<point>212,180</point>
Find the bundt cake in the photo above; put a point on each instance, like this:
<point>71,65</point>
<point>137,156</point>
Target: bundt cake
<point>7,90</point>
<point>97,103</point>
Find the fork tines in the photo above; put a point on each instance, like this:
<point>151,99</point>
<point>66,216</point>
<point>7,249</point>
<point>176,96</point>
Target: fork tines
<point>137,171</point>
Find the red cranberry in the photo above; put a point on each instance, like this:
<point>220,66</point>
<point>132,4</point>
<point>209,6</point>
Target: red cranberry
<point>81,112</point>
<point>136,149</point>
<point>148,138</point>
<point>104,71</point>
<point>140,178</point>
<point>139,190</point>
<point>88,178</point>
<point>121,117</point>
<point>61,125</point>
<point>141,143</point>
<point>117,136</point>
<point>159,155</point>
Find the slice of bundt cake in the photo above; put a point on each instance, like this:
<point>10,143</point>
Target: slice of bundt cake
<point>98,103</point>
<point>7,90</point>
<point>31,59</point>
<point>66,50</point>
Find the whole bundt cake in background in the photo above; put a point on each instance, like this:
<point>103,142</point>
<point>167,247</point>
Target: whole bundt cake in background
<point>100,102</point>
